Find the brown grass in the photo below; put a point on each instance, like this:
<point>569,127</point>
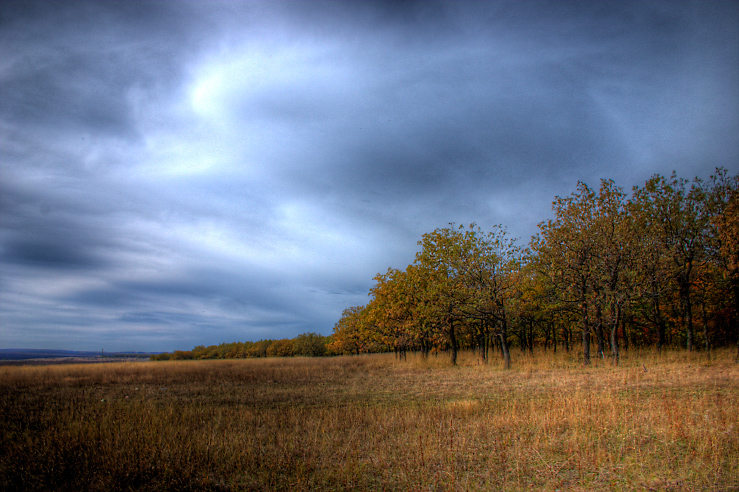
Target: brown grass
<point>668,422</point>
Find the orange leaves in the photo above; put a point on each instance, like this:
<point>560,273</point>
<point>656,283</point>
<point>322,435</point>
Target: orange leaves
<point>604,257</point>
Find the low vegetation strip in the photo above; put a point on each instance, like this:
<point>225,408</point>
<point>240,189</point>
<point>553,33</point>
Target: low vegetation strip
<point>373,422</point>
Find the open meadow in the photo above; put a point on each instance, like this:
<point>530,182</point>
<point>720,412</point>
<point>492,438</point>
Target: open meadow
<point>668,422</point>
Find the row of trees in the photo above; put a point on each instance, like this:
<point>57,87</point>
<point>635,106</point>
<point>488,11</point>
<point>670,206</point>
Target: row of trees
<point>657,266</point>
<point>305,345</point>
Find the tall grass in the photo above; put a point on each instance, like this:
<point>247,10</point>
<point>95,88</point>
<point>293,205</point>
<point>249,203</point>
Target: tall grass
<point>660,422</point>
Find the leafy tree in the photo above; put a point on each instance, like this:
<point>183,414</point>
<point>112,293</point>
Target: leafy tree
<point>613,277</point>
<point>349,336</point>
<point>676,213</point>
<point>723,241</point>
<point>468,283</point>
<point>491,275</point>
<point>392,309</point>
<point>566,246</point>
<point>651,267</point>
<point>440,266</point>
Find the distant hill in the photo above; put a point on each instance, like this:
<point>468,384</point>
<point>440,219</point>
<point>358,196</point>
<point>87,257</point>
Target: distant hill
<point>27,354</point>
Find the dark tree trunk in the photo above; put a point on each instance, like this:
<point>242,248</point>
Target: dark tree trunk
<point>687,308</point>
<point>453,342</point>
<point>531,337</point>
<point>484,347</point>
<point>504,344</point>
<point>585,333</point>
<point>616,314</point>
<point>661,335</point>
<point>689,321</point>
<point>506,353</point>
<point>624,333</point>
<point>488,343</point>
<point>599,332</point>
<point>704,322</point>
<point>661,328</point>
<point>483,344</point>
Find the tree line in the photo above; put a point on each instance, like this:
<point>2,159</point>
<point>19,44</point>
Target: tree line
<point>655,267</point>
<point>305,345</point>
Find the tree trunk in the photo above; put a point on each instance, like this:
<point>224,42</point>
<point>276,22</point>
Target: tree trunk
<point>453,342</point>
<point>661,328</point>
<point>616,316</point>
<point>661,335</point>
<point>531,337</point>
<point>486,344</point>
<point>689,322</point>
<point>704,322</point>
<point>599,332</point>
<point>504,344</point>
<point>624,333</point>
<point>585,334</point>
<point>684,283</point>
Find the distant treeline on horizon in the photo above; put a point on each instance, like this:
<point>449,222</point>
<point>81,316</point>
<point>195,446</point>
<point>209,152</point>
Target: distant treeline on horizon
<point>306,345</point>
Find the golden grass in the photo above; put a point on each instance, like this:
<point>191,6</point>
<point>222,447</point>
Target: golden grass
<point>668,422</point>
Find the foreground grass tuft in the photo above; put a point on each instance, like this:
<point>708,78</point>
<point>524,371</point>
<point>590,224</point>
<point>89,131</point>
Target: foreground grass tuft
<point>668,422</point>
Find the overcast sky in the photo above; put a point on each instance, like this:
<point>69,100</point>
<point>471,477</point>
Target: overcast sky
<point>182,173</point>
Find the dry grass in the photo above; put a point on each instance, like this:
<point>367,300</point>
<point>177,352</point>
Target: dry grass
<point>667,422</point>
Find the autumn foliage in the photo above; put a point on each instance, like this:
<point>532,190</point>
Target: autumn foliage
<point>611,269</point>
<point>306,345</point>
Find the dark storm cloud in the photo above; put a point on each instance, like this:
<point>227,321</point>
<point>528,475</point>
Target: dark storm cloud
<point>51,253</point>
<point>59,75</point>
<point>516,95</point>
<point>34,235</point>
<point>180,173</point>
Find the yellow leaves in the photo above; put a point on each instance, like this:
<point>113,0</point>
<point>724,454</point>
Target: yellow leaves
<point>728,231</point>
<point>601,249</point>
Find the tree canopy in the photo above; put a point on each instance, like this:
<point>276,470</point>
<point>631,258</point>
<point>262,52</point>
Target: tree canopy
<point>658,266</point>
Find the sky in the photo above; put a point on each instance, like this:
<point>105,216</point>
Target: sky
<point>181,173</point>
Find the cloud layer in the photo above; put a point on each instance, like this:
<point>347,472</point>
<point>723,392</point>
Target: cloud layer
<point>183,173</point>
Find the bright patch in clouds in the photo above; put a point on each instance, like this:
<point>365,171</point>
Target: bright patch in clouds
<point>181,173</point>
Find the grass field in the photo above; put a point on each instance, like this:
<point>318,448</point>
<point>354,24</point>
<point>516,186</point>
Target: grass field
<point>668,422</point>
